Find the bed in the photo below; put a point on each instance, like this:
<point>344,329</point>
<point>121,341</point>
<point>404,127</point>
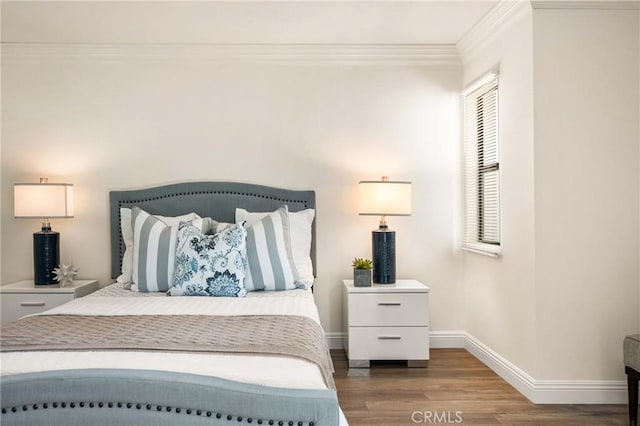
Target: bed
<point>123,357</point>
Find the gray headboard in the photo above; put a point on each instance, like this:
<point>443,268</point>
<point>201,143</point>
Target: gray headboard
<point>217,200</point>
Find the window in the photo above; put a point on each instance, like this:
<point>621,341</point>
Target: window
<point>482,167</point>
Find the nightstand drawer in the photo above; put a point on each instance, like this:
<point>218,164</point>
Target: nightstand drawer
<point>389,309</point>
<point>15,306</point>
<point>366,343</point>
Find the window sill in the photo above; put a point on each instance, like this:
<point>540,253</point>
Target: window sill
<point>484,249</point>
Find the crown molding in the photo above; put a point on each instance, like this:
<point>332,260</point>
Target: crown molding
<point>505,12</point>
<point>490,26</point>
<point>276,54</point>
<point>585,4</point>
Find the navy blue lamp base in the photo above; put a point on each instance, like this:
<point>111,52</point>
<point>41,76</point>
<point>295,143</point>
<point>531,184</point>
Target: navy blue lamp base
<point>46,256</point>
<point>384,256</point>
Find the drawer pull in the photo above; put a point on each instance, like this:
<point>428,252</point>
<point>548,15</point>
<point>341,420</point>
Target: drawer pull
<point>389,337</point>
<point>389,304</point>
<point>32,303</point>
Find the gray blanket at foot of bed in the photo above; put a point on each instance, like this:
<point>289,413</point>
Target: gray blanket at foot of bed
<point>145,397</point>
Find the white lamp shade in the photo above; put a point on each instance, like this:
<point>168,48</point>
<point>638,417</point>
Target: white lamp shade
<point>385,198</point>
<point>43,200</point>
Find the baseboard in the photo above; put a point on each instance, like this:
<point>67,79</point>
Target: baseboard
<point>511,374</point>
<point>581,392</point>
<point>334,340</point>
<point>537,391</point>
<point>446,339</point>
<point>548,391</point>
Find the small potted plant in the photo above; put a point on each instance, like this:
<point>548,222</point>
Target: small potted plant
<point>362,272</point>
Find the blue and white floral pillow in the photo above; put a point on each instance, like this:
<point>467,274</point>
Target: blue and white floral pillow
<point>210,265</point>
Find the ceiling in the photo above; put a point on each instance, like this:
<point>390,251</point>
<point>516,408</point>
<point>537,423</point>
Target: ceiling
<point>221,22</point>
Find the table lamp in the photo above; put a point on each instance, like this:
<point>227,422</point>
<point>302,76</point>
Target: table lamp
<point>384,198</point>
<point>45,201</point>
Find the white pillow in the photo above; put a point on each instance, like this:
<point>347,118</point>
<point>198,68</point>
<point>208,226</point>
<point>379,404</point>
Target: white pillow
<point>300,231</point>
<point>126,230</point>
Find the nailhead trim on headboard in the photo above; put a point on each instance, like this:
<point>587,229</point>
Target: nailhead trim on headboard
<point>140,406</point>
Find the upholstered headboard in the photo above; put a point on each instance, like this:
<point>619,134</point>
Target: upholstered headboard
<point>217,200</point>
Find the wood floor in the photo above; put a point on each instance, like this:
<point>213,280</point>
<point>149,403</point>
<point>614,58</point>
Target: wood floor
<point>455,389</point>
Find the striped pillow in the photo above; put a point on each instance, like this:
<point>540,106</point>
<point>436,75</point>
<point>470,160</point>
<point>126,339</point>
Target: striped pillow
<point>271,266</point>
<point>154,251</point>
<point>127,236</point>
<point>300,231</point>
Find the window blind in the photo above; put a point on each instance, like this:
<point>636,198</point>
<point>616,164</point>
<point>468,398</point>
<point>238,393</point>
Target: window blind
<point>482,168</point>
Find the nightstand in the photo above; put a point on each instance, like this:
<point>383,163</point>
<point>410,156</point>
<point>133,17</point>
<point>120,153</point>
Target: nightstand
<point>24,298</point>
<point>386,322</point>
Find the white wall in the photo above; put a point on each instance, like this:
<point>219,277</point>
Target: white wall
<point>129,123</point>
<point>586,190</point>
<point>558,302</point>
<point>499,293</point>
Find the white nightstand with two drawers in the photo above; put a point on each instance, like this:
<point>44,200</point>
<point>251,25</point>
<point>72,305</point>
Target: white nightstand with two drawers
<point>386,322</point>
<point>24,298</point>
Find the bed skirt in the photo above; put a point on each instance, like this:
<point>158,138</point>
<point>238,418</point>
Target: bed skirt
<point>146,397</point>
